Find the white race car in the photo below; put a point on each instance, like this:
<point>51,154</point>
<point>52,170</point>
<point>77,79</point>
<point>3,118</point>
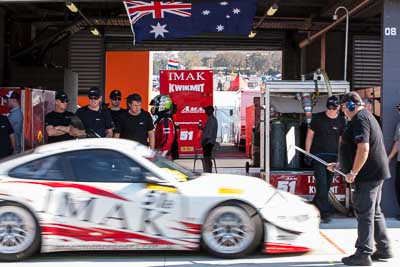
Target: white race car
<point>114,194</point>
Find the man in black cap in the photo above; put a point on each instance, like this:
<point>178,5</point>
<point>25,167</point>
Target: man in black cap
<point>7,138</point>
<point>58,121</point>
<point>115,109</point>
<point>208,139</point>
<point>322,140</point>
<point>15,117</point>
<point>96,117</point>
<point>363,157</point>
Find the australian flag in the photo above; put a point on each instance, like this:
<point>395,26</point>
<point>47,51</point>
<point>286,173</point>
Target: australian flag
<point>152,20</point>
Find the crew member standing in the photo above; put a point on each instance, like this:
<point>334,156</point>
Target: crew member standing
<point>322,140</point>
<point>96,117</point>
<point>58,121</point>
<point>393,152</point>
<point>136,124</point>
<point>363,157</point>
<point>115,108</point>
<point>15,117</point>
<point>7,138</point>
<point>208,138</point>
<point>165,127</point>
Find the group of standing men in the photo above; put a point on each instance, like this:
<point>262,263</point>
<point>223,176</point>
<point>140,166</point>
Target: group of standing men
<point>357,148</point>
<point>157,130</point>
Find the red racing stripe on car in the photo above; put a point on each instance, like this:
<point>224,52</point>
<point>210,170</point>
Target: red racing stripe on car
<point>192,226</point>
<point>273,248</point>
<point>89,189</point>
<point>100,234</point>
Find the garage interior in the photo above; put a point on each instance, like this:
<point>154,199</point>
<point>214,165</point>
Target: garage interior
<point>43,42</point>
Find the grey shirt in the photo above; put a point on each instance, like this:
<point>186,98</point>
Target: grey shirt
<point>16,120</point>
<point>210,131</point>
<point>397,138</point>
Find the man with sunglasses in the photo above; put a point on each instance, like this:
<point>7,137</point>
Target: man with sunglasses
<point>58,121</point>
<point>115,108</point>
<point>95,116</point>
<point>322,140</point>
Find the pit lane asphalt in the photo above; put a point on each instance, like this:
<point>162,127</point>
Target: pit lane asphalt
<point>337,241</point>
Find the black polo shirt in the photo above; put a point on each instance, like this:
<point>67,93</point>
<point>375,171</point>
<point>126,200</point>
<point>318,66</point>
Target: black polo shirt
<point>364,128</point>
<point>97,121</point>
<point>5,131</point>
<point>135,127</point>
<point>58,119</point>
<point>115,114</point>
<point>326,133</point>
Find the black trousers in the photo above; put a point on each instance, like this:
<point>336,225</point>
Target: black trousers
<point>371,226</point>
<point>207,162</point>
<point>323,182</point>
<point>397,183</point>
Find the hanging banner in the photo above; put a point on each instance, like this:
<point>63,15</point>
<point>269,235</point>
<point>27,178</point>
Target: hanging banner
<point>303,184</point>
<point>190,90</point>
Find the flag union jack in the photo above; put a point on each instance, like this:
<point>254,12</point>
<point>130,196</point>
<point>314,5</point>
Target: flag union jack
<point>138,9</point>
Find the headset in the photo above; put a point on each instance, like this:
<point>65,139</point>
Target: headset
<point>351,106</point>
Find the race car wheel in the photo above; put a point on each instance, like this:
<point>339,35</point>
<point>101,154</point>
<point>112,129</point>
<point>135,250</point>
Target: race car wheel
<point>19,232</point>
<point>231,232</point>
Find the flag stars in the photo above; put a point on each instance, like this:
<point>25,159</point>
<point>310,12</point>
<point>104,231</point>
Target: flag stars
<point>224,3</point>
<point>159,30</point>
<point>220,28</point>
<point>206,12</point>
<point>236,11</point>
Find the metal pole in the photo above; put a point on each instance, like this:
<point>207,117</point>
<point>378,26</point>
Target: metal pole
<point>346,44</point>
<point>346,38</point>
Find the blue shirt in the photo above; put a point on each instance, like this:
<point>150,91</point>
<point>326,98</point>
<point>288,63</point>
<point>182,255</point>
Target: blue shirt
<point>16,120</point>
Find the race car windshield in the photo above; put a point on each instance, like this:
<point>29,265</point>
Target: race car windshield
<point>180,172</point>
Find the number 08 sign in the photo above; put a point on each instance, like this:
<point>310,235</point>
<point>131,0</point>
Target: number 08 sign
<point>190,90</point>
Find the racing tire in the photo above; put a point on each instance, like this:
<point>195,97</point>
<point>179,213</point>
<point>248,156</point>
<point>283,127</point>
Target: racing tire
<point>231,231</point>
<point>19,232</point>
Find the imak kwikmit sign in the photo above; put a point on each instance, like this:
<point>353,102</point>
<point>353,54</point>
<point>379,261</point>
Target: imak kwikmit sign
<point>190,90</point>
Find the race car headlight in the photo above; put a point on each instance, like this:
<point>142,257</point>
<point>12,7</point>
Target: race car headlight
<point>301,218</point>
<point>297,218</point>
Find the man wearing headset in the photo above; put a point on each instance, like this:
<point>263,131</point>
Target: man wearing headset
<point>363,157</point>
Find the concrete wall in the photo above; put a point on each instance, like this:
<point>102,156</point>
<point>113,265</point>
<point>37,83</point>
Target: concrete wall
<point>390,96</point>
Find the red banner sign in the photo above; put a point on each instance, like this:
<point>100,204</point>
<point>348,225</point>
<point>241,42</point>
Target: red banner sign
<point>190,90</point>
<point>303,184</point>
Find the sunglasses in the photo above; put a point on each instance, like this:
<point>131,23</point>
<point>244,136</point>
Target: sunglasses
<point>332,108</point>
<point>116,99</point>
<point>65,101</point>
<point>94,97</point>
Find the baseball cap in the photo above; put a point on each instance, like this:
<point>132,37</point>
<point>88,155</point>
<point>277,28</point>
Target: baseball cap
<point>209,107</point>
<point>332,102</point>
<point>353,97</point>
<point>115,93</point>
<point>60,95</point>
<point>94,91</point>
<point>11,94</point>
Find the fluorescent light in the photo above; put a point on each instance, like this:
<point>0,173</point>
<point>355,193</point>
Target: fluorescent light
<point>252,34</point>
<point>71,6</point>
<point>95,32</point>
<point>271,11</point>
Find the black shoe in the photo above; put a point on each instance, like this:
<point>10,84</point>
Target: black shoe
<point>382,255</point>
<point>357,260</point>
<point>398,217</point>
